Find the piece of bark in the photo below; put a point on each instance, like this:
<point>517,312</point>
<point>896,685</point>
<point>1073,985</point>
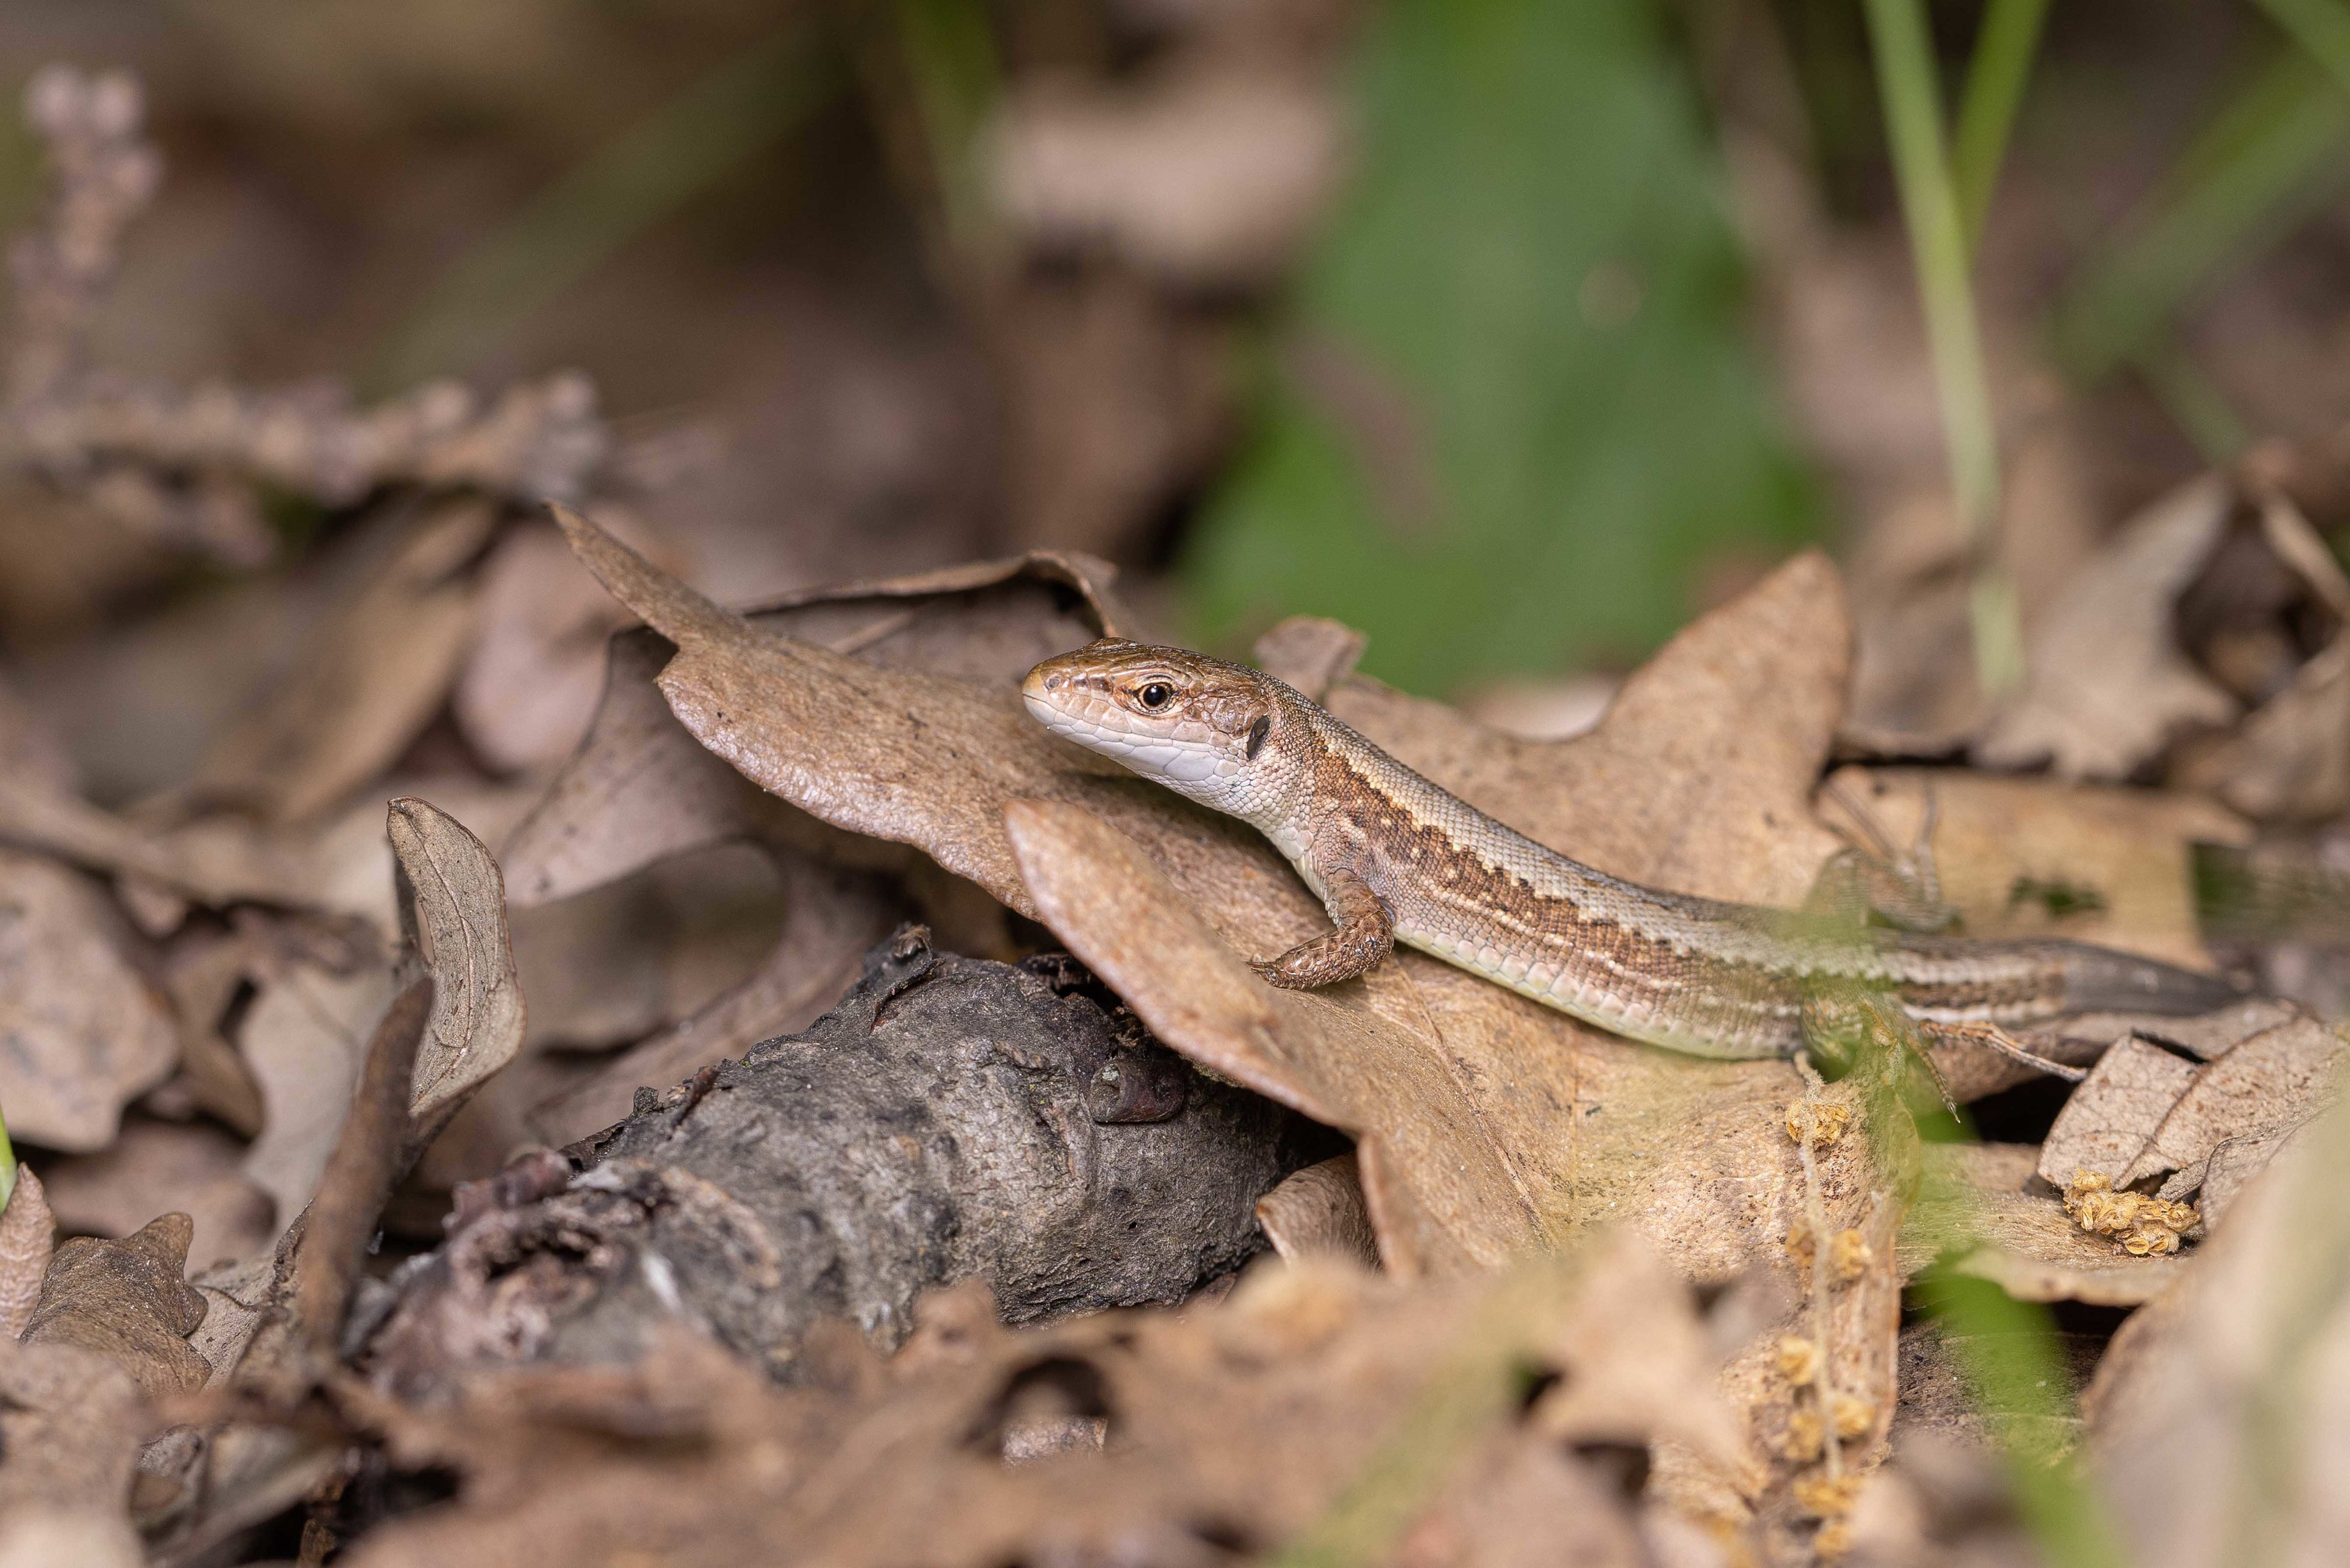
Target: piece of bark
<point>129,1301</point>
<point>28,1234</point>
<point>935,1126</point>
<point>2112,1114</point>
<point>1319,1212</point>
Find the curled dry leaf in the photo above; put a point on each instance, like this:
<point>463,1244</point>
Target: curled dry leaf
<point>454,913</point>
<point>2107,686</point>
<point>2145,1112</point>
<point>26,1232</point>
<point>129,1301</point>
<point>87,1033</point>
<point>2289,758</point>
<point>641,788</point>
<point>1319,1212</point>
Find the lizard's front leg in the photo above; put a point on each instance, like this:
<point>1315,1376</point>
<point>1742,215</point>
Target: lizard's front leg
<point>1364,937</point>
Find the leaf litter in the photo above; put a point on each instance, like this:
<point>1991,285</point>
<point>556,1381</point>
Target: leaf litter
<point>725,1266</point>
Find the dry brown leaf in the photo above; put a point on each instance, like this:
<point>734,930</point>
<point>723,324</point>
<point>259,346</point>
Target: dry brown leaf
<point>2267,1085</point>
<point>1247,1423</point>
<point>384,663</point>
<point>1319,1212</point>
<point>2107,686</point>
<point>70,1423</point>
<point>368,1156</point>
<point>26,1232</point>
<point>303,1038</point>
<point>641,789</point>
<point>129,1301</point>
<point>87,1033</point>
<point>2289,758</point>
<point>155,1166</point>
<point>455,918</point>
<point>2112,1114</point>
<point>530,681</point>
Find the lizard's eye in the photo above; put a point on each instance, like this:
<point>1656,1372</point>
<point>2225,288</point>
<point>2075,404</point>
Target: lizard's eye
<point>1156,695</point>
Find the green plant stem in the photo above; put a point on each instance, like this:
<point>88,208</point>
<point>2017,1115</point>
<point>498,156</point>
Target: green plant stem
<point>2193,399</point>
<point>1996,77</point>
<point>1937,242</point>
<point>560,234</point>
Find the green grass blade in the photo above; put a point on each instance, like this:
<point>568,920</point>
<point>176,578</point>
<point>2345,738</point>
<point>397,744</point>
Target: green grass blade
<point>558,236</point>
<point>1937,242</point>
<point>1996,78</point>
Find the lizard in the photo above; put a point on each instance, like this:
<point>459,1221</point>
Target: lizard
<point>1395,858</point>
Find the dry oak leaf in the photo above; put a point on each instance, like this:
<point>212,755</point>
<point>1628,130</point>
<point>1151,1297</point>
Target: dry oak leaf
<point>129,1301</point>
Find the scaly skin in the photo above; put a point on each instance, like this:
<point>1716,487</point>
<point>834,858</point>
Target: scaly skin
<point>1397,860</point>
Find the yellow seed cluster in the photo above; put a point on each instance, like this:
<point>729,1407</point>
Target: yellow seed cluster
<point>1799,1359</point>
<point>1834,1539</point>
<point>1817,1122</point>
<point>1826,1497</point>
<point>1850,1255</point>
<point>1853,1416</point>
<point>2143,1226</point>
<point>1800,1246</point>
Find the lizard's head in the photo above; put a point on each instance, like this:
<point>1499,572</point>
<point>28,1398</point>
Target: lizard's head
<point>1195,724</point>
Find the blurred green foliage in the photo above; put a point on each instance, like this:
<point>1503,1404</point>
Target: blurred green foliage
<point>1514,418</point>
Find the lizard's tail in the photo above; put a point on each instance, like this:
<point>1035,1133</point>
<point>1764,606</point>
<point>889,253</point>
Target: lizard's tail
<point>2099,980</point>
